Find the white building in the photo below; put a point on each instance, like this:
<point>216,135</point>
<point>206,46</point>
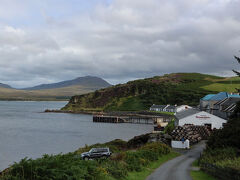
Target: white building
<point>200,118</point>
<point>182,108</point>
<point>169,108</point>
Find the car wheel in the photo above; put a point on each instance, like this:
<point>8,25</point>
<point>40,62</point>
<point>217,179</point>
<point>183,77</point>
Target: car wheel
<point>86,158</point>
<point>105,157</point>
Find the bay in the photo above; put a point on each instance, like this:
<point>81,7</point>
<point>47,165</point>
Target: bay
<point>25,131</point>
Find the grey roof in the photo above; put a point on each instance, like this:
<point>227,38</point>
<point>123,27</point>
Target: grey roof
<point>220,102</point>
<point>230,101</point>
<point>158,106</point>
<point>186,113</point>
<point>230,108</point>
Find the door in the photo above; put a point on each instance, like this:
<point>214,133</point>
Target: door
<point>209,126</point>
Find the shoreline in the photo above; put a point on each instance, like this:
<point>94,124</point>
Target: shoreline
<point>36,100</point>
<point>67,111</point>
<point>113,113</point>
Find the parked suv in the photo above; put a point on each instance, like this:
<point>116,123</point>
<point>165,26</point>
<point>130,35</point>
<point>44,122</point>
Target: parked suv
<point>96,153</point>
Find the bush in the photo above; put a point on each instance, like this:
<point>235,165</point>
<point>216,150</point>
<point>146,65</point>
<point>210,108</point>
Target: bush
<point>148,155</point>
<point>170,127</point>
<point>138,141</point>
<point>58,167</point>
<point>134,162</point>
<point>116,169</point>
<point>212,156</point>
<point>230,163</point>
<point>119,156</point>
<point>156,147</point>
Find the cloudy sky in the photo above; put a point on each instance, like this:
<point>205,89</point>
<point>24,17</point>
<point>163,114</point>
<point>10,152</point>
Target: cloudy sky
<point>45,41</point>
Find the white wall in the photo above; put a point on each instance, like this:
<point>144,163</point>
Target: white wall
<point>203,118</point>
<point>180,144</point>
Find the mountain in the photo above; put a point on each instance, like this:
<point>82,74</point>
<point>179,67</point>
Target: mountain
<point>87,81</point>
<point>4,85</point>
<point>57,91</point>
<point>177,88</point>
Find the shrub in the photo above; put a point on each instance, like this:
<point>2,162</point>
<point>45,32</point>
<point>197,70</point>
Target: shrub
<point>57,167</point>
<point>118,157</point>
<point>230,163</point>
<point>116,169</point>
<point>148,155</point>
<point>170,127</point>
<point>138,141</point>
<point>214,155</point>
<point>133,161</point>
<point>156,147</point>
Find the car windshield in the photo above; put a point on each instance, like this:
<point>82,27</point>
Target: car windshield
<point>92,150</point>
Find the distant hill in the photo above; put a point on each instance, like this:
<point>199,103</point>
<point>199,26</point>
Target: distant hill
<point>87,81</point>
<point>57,91</point>
<point>4,85</point>
<point>178,88</point>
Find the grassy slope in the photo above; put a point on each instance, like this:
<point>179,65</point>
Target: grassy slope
<point>180,88</point>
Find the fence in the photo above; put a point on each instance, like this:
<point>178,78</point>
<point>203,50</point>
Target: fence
<point>221,173</point>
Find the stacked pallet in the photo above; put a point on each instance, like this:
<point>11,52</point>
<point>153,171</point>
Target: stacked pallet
<point>193,133</point>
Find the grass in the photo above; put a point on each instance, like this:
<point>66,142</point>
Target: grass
<point>148,170</point>
<point>221,87</point>
<point>129,103</point>
<point>195,163</point>
<point>180,88</point>
<point>163,112</point>
<point>200,175</point>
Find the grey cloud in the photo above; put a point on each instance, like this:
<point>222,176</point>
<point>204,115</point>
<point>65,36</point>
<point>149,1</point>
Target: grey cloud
<point>123,41</point>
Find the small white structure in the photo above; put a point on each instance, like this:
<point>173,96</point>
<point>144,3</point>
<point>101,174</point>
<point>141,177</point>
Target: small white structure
<point>199,118</point>
<point>180,144</point>
<point>183,108</point>
<point>169,108</point>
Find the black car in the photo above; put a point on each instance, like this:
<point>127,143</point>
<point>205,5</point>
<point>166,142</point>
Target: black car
<point>96,153</point>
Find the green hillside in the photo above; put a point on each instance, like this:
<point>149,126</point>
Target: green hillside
<point>179,88</point>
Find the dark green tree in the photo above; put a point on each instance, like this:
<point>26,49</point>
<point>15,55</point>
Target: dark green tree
<point>238,73</point>
<point>238,59</point>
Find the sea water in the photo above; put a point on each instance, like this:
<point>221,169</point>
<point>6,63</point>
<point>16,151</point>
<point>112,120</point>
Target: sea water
<point>25,131</point>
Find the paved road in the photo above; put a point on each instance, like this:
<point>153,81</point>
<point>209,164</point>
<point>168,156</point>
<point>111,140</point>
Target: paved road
<point>178,168</point>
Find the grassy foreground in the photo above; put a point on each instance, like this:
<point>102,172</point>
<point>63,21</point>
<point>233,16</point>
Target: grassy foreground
<point>130,160</point>
<point>200,175</point>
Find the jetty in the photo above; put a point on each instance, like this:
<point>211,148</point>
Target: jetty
<point>134,119</point>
